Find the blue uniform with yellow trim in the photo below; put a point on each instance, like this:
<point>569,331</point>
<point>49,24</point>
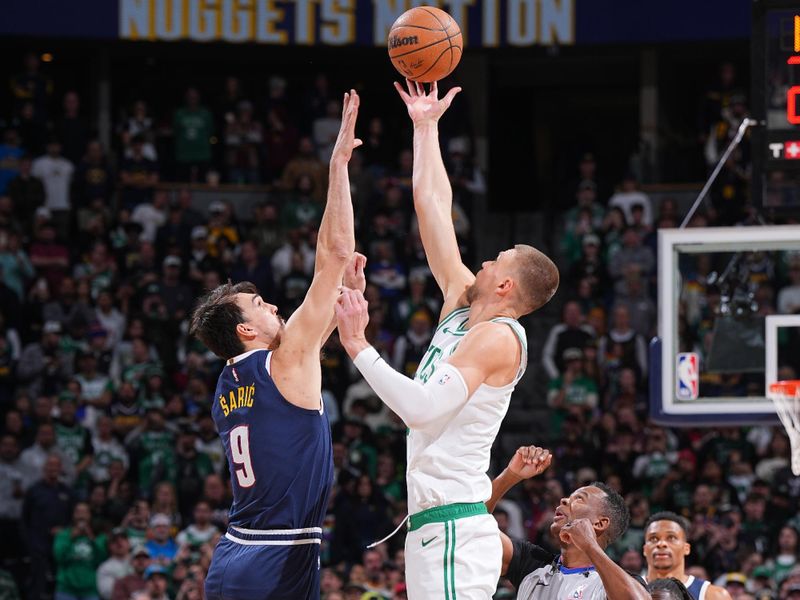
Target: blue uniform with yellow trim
<point>281,463</point>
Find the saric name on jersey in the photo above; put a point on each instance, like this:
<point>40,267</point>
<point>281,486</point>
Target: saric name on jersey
<point>241,397</point>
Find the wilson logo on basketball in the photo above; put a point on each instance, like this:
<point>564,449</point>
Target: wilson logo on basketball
<point>397,41</point>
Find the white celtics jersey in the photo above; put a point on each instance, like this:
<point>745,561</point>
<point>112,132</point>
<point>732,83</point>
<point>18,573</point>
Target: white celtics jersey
<point>450,466</point>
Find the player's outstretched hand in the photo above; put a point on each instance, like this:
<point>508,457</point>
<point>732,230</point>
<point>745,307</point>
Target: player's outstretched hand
<point>347,141</point>
<point>579,533</point>
<point>424,107</point>
<point>354,277</point>
<point>529,461</point>
<point>352,316</point>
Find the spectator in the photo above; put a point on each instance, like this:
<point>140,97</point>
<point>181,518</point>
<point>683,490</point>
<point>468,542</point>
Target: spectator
<point>628,197</point>
<point>789,296</point>
<point>15,265</point>
<point>192,468</point>
<point>162,546</point>
<point>32,87</point>
<point>72,129</point>
<point>302,209</point>
<point>139,124</point>
<point>243,139</point>
<point>45,511</point>
<point>410,347</point>
<point>632,294</point>
<point>157,582</point>
<point>282,259</point>
<point>55,172</point>
<point>34,459</point>
<point>570,333</point>
<point>622,347</point>
<point>49,256</point>
<point>78,553</point>
<point>138,176</point>
<point>572,390</point>
<point>252,267</point>
<point>151,215</point>
<point>106,450</point>
<point>632,258</point>
<point>125,587</point>
<point>305,162</point>
<point>586,197</point>
<point>10,155</point>
<point>116,566</point>
<point>12,480</point>
<point>280,142</point>
<point>193,127</point>
<point>26,192</point>
<point>326,128</point>
<point>72,438</point>
<point>201,531</point>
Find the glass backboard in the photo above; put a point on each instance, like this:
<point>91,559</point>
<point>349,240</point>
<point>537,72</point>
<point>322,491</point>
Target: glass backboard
<point>729,323</point>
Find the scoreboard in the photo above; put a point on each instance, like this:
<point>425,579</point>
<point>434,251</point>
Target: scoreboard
<point>776,94</point>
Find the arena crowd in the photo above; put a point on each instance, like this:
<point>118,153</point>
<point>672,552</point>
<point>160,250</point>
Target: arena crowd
<point>113,482</point>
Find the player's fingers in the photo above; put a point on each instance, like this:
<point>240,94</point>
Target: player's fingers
<point>435,90</point>
<point>411,89</point>
<point>448,99</point>
<point>403,94</point>
<point>356,143</point>
<point>355,101</point>
<point>420,88</point>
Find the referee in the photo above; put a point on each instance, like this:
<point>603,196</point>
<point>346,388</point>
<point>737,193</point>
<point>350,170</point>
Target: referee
<point>588,521</point>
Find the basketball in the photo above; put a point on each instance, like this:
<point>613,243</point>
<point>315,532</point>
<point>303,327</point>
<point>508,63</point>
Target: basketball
<point>425,44</point>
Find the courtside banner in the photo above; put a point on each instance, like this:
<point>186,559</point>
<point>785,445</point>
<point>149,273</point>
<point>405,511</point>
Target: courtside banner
<point>484,23</point>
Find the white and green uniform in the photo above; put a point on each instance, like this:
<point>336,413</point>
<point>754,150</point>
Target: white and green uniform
<point>453,546</point>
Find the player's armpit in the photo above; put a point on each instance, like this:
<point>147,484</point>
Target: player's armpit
<point>489,353</point>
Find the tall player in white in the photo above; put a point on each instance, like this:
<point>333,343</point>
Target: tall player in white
<point>461,391</point>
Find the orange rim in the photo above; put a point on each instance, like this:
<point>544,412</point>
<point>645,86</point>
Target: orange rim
<point>785,388</point>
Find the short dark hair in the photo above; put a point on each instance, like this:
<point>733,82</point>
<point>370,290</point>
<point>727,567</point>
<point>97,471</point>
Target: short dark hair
<point>667,515</point>
<point>669,588</point>
<point>538,277</point>
<point>216,316</point>
<point>616,511</point>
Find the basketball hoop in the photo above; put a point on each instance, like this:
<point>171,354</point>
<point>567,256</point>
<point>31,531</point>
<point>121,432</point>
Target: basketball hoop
<point>786,397</point>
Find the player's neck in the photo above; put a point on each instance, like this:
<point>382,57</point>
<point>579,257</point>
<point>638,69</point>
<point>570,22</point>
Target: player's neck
<point>676,572</point>
<point>572,557</point>
<point>479,312</point>
<point>249,346</point>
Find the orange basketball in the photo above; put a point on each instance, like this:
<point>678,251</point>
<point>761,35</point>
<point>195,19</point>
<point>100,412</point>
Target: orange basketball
<point>425,44</point>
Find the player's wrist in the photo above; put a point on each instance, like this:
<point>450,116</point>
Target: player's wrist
<point>427,124</point>
<point>355,344</point>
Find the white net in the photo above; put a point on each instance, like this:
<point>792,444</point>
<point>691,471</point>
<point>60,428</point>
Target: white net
<point>786,397</point>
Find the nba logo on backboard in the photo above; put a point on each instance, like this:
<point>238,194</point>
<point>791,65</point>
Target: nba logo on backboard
<point>687,382</point>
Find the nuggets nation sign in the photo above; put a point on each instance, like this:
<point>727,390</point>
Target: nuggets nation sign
<point>486,23</point>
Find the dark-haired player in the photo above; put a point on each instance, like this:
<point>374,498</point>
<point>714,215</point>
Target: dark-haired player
<point>666,549</point>
<point>268,411</point>
<point>585,523</point>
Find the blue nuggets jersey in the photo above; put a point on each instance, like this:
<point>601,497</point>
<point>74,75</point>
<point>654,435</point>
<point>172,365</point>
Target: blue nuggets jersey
<point>281,464</point>
<point>280,455</point>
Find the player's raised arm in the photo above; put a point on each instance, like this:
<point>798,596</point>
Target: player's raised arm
<point>308,326</point>
<point>482,357</point>
<point>433,196</point>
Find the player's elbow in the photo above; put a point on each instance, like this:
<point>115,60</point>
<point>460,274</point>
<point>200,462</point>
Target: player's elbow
<point>338,250</point>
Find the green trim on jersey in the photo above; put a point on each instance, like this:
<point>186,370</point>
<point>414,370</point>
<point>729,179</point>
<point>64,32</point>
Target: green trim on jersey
<point>448,512</point>
<point>453,559</point>
<point>453,313</point>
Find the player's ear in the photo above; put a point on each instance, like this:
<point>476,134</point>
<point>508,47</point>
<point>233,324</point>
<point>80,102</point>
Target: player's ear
<point>245,331</point>
<point>687,549</point>
<point>601,525</point>
<point>505,286</point>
